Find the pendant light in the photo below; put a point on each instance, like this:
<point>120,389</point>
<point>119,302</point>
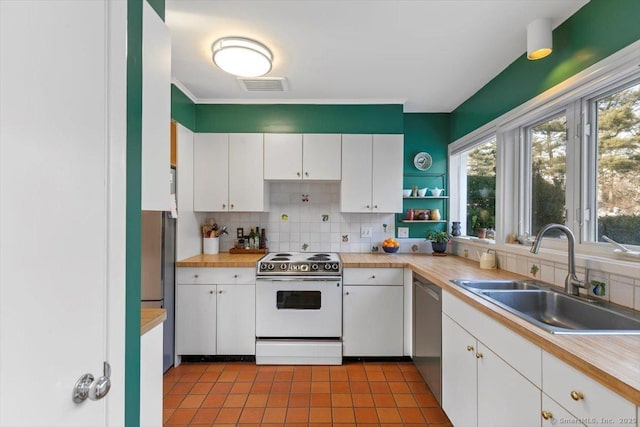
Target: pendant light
<point>242,57</point>
<point>539,39</point>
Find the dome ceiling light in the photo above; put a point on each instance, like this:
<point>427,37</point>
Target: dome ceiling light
<point>539,39</point>
<point>242,57</point>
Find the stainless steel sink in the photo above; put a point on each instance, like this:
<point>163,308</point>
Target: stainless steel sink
<point>496,284</point>
<point>556,311</point>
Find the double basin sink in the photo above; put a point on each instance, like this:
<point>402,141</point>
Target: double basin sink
<point>554,310</point>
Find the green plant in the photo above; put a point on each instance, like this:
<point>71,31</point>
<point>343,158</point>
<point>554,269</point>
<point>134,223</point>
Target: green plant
<point>438,236</point>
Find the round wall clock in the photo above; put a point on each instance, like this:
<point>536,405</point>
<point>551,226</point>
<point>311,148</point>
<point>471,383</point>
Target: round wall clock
<point>422,161</point>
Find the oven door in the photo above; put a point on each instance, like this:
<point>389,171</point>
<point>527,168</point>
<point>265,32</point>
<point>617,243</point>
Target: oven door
<point>299,308</point>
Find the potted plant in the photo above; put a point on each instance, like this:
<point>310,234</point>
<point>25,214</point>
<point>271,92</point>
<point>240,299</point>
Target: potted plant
<point>439,240</point>
<point>477,224</point>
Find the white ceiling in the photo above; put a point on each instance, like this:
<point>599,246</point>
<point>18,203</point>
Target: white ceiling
<point>429,55</point>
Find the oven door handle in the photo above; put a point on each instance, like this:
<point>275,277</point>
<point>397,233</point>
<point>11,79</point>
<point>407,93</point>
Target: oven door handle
<point>300,279</point>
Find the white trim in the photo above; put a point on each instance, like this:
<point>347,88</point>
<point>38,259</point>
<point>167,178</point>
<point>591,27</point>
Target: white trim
<point>184,90</point>
<point>610,68</point>
<point>304,101</point>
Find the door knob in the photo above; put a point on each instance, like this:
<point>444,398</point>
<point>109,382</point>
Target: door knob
<point>88,387</point>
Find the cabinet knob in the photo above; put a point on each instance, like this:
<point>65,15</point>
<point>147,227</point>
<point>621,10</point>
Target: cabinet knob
<point>298,173</point>
<point>195,276</point>
<point>235,276</point>
<point>211,292</point>
<point>478,355</point>
<point>576,395</point>
<point>368,206</point>
<point>547,415</point>
<point>306,174</point>
<point>346,293</point>
<point>375,206</point>
<point>469,348</point>
<point>224,206</point>
<point>231,205</point>
<point>219,292</point>
<point>373,277</point>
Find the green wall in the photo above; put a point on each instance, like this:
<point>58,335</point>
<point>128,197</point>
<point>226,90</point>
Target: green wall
<point>596,31</point>
<point>183,110</point>
<point>158,6</point>
<point>299,118</point>
<point>429,132</point>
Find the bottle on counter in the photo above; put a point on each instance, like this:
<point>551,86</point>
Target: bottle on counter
<point>263,239</point>
<point>257,239</point>
<point>252,239</point>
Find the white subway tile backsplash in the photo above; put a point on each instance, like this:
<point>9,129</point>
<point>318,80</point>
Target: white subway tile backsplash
<point>621,290</point>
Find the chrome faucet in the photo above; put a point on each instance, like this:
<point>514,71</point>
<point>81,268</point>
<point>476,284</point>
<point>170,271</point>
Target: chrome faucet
<point>572,284</point>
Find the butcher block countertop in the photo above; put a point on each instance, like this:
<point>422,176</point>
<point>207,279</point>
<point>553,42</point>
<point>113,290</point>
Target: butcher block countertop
<point>150,318</point>
<point>613,361</point>
<point>222,259</point>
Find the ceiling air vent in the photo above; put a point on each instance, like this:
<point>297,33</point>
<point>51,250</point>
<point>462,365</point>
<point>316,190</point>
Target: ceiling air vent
<point>263,84</point>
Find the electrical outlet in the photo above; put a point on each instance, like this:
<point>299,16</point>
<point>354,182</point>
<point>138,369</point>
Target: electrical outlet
<point>403,232</point>
<point>366,232</point>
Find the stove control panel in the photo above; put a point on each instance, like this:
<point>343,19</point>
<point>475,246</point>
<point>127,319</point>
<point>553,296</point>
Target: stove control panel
<point>299,267</point>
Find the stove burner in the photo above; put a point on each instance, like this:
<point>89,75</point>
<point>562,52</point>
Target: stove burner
<point>279,259</point>
<point>282,254</point>
<point>319,257</point>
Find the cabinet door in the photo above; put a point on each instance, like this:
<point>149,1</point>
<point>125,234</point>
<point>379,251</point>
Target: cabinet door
<point>283,156</point>
<point>321,156</point>
<point>459,373</point>
<point>210,172</point>
<point>373,321</point>
<point>246,181</point>
<point>195,319</point>
<point>505,398</point>
<point>156,112</point>
<point>387,173</point>
<point>236,319</point>
<point>355,186</point>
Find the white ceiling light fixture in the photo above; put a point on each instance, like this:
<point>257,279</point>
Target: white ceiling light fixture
<point>242,57</point>
<point>539,39</point>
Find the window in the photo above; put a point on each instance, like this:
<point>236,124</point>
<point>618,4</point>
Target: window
<point>481,187</point>
<point>616,162</point>
<point>547,144</point>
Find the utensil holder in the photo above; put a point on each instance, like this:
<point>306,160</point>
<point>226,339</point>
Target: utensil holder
<point>210,245</point>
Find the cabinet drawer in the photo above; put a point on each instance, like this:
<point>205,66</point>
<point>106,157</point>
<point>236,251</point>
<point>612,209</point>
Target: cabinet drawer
<point>594,403</point>
<point>214,276</point>
<point>373,276</point>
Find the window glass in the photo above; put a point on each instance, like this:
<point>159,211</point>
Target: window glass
<point>481,187</point>
<point>548,173</point>
<point>618,170</point>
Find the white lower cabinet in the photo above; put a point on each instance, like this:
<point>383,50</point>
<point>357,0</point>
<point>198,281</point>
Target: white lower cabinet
<point>373,314</point>
<point>587,400</point>
<point>479,387</point>
<point>215,319</point>
<point>151,377</point>
<point>195,319</point>
<point>236,319</point>
<point>492,377</point>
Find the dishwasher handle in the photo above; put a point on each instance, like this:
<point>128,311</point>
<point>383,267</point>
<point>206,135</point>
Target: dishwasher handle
<point>427,288</point>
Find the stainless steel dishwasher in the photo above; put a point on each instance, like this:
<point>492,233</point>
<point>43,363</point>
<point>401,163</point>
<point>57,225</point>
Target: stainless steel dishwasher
<point>427,333</point>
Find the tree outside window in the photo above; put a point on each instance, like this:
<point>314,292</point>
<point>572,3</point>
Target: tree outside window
<point>481,187</point>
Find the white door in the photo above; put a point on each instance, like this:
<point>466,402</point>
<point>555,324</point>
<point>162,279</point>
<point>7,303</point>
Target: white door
<point>246,179</point>
<point>387,173</point>
<point>236,332</point>
<point>62,201</point>
<point>321,156</point>
<point>355,186</point>
<point>195,319</point>
<point>210,172</point>
<point>283,156</point>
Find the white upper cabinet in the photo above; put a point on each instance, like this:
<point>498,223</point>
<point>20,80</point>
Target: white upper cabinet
<point>372,173</point>
<point>228,172</point>
<point>210,172</point>
<point>156,111</point>
<point>302,156</point>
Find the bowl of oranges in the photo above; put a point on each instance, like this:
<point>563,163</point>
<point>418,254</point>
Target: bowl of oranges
<point>390,245</point>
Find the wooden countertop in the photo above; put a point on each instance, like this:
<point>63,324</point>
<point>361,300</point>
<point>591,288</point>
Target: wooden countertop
<point>222,259</point>
<point>613,361</point>
<point>150,318</point>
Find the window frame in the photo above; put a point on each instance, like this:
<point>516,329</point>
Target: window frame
<point>571,95</point>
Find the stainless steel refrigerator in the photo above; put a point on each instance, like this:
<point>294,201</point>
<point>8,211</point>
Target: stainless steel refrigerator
<point>158,270</point>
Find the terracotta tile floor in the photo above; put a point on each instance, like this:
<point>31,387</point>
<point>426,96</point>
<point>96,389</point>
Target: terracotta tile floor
<point>354,394</point>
